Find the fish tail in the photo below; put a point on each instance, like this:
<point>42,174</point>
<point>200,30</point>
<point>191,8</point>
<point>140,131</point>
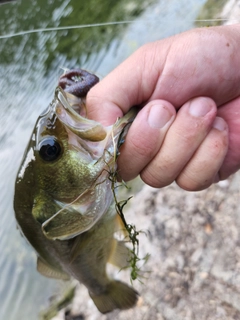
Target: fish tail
<point>117,295</point>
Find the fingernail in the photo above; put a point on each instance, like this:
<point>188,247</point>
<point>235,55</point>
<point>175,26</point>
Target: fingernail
<point>159,115</point>
<point>199,107</point>
<point>219,124</point>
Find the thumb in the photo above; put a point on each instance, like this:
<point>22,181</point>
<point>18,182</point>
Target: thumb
<point>145,138</point>
<point>127,85</point>
<point>101,109</point>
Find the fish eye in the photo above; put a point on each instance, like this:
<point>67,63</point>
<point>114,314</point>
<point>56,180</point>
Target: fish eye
<point>49,149</point>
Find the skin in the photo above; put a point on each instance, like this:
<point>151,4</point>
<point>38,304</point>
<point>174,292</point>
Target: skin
<point>188,129</point>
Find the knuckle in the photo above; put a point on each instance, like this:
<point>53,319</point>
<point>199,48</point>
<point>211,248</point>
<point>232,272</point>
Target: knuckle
<point>188,183</point>
<point>154,177</point>
<point>150,179</point>
<point>143,147</point>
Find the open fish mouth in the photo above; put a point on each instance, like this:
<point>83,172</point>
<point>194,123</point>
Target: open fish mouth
<point>70,104</point>
<point>84,128</point>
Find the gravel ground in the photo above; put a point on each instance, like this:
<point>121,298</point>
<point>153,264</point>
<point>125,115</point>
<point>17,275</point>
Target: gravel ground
<point>194,268</point>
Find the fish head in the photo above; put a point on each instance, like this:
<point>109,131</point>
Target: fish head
<point>66,147</point>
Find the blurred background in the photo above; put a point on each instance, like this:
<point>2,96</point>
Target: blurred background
<point>37,39</point>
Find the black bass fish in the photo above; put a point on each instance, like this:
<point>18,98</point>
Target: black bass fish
<point>63,199</point>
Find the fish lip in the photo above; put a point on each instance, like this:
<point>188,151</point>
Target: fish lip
<point>77,81</point>
<point>86,129</point>
<point>63,98</point>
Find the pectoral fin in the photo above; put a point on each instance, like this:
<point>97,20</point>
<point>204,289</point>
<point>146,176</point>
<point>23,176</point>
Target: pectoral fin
<point>48,271</point>
<point>120,254</point>
<point>120,227</point>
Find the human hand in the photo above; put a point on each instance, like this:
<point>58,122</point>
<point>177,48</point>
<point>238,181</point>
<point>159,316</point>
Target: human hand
<point>196,73</point>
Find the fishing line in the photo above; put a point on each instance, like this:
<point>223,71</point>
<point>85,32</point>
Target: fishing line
<point>92,25</point>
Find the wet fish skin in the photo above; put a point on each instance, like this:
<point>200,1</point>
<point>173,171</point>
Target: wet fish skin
<point>63,201</point>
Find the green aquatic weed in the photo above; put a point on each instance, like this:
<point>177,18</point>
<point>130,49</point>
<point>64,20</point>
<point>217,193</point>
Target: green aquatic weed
<point>132,232</point>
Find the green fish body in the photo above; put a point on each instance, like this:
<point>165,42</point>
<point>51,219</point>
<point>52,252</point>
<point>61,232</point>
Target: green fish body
<point>63,199</point>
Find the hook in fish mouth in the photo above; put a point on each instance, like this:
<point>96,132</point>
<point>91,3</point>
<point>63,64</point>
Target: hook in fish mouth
<point>77,82</point>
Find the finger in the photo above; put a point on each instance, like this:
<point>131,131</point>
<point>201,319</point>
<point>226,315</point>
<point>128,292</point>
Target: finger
<point>202,170</point>
<point>191,126</point>
<point>131,83</point>
<point>145,138</point>
<point>230,112</point>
